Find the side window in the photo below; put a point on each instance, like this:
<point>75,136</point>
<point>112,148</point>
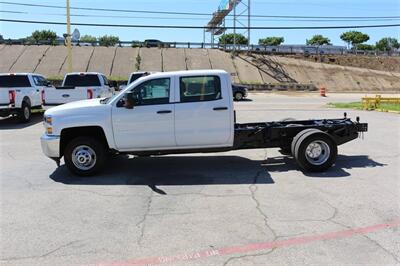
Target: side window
<point>42,81</point>
<point>153,92</point>
<point>200,88</point>
<point>39,81</point>
<point>105,81</point>
<point>36,80</point>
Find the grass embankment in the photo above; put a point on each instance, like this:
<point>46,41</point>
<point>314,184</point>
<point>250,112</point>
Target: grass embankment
<point>358,105</point>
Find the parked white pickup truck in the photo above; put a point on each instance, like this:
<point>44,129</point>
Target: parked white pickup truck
<point>20,93</point>
<point>78,86</point>
<point>181,112</point>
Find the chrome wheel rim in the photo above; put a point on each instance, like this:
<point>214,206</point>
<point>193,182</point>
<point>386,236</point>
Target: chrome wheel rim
<point>84,157</point>
<point>238,96</point>
<point>26,112</point>
<point>317,152</point>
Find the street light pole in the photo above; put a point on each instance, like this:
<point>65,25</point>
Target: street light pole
<point>69,46</point>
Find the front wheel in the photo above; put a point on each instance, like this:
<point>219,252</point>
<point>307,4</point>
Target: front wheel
<point>84,156</point>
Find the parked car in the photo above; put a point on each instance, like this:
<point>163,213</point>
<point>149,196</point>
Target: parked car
<point>153,43</point>
<point>239,92</point>
<point>181,112</point>
<point>20,93</point>
<point>78,86</point>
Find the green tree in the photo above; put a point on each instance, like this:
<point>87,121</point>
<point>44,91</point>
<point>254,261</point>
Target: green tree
<point>318,40</point>
<point>47,36</point>
<point>88,38</point>
<point>108,40</point>
<point>366,47</point>
<point>228,39</point>
<point>273,41</point>
<point>387,44</point>
<point>354,38</point>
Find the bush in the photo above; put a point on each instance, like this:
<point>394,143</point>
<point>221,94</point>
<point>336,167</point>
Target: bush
<point>108,40</point>
<point>228,39</point>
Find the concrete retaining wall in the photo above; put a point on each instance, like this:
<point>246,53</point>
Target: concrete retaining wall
<point>197,59</point>
<point>102,59</point>
<point>119,62</point>
<point>151,59</point>
<point>52,61</point>
<point>174,59</point>
<point>9,56</point>
<point>124,62</point>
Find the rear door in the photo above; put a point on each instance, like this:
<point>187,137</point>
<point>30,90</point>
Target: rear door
<point>203,114</point>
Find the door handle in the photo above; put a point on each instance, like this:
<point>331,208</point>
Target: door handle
<point>220,108</point>
<point>164,112</point>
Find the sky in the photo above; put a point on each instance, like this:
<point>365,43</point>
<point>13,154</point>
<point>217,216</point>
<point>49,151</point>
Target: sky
<point>354,8</point>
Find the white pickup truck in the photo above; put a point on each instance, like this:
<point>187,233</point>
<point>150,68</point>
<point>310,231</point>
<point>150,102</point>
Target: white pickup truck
<point>78,86</point>
<point>181,112</point>
<point>20,93</point>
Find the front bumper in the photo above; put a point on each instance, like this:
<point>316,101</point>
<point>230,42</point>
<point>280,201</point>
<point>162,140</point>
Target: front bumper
<point>50,146</point>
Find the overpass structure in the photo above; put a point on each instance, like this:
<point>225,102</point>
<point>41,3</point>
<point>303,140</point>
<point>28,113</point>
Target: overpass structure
<point>216,26</point>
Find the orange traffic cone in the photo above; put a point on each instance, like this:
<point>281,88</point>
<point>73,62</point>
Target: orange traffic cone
<point>322,92</point>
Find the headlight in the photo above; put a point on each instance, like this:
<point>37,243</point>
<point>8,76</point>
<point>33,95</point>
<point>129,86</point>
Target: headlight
<point>48,120</point>
<point>49,130</point>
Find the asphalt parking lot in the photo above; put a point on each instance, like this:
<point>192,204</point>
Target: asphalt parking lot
<point>249,207</point>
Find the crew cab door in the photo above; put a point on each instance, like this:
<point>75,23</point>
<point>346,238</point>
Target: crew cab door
<point>150,124</point>
<point>203,114</point>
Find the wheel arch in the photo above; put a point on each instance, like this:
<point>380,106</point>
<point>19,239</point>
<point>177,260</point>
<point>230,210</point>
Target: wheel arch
<point>27,100</point>
<point>68,134</point>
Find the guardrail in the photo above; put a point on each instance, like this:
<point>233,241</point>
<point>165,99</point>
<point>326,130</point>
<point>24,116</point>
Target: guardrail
<point>372,103</point>
<point>255,48</point>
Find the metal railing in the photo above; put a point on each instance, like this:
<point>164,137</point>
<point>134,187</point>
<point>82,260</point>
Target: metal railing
<point>372,103</point>
<point>255,48</point>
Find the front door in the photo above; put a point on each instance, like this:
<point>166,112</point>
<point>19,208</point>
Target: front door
<point>150,124</point>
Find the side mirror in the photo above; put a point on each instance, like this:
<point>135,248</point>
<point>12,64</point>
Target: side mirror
<point>130,100</point>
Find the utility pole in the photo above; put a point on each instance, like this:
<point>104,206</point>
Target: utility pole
<point>248,24</point>
<point>234,26</point>
<point>69,46</point>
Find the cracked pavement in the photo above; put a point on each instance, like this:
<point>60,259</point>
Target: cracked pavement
<point>169,205</point>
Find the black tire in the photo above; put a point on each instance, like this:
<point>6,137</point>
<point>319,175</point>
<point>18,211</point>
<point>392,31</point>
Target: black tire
<point>328,151</point>
<point>238,96</point>
<point>298,136</point>
<point>25,113</point>
<point>95,151</point>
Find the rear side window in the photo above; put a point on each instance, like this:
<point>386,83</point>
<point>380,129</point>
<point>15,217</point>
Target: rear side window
<point>14,81</point>
<point>200,88</point>
<point>82,80</point>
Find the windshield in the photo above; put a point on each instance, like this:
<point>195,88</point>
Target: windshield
<point>82,80</point>
<point>14,81</point>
